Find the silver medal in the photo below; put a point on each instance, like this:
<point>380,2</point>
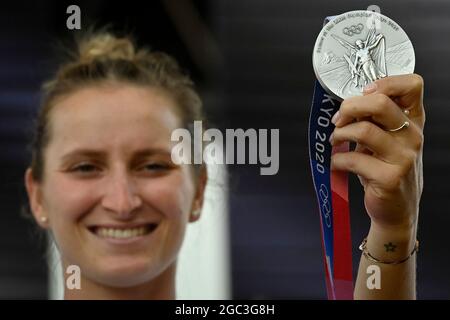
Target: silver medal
<point>358,47</point>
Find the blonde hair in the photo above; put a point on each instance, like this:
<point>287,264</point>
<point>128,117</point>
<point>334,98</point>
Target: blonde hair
<point>104,57</point>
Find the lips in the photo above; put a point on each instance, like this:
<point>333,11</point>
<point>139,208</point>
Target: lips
<point>123,232</point>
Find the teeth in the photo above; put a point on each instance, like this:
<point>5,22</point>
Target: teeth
<point>121,233</point>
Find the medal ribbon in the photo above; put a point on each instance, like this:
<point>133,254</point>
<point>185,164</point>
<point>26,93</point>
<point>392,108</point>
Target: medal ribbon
<point>332,195</point>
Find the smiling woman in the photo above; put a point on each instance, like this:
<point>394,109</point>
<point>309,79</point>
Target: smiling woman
<point>101,178</point>
<point>103,183</point>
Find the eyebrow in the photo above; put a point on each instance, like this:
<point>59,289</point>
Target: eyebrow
<point>93,153</point>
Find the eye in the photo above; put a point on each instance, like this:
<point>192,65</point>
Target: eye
<point>84,168</point>
<point>156,166</point>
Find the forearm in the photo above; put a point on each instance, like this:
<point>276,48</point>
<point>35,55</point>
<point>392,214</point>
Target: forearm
<point>397,281</point>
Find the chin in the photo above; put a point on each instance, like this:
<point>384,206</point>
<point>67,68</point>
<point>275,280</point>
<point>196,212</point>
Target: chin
<point>126,272</point>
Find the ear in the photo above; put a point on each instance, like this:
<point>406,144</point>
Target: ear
<point>199,195</point>
<point>34,191</point>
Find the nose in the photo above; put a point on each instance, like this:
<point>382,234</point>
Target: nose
<point>120,196</point>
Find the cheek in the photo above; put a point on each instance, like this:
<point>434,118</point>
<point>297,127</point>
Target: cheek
<point>172,194</point>
<point>69,199</point>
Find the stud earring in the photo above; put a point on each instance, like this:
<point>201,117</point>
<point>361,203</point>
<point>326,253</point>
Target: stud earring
<point>44,219</point>
<point>196,213</point>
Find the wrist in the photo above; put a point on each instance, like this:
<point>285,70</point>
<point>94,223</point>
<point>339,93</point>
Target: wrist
<point>402,232</point>
<point>389,243</point>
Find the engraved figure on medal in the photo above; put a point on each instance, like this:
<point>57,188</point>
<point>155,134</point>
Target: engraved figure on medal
<point>352,50</point>
<point>366,59</point>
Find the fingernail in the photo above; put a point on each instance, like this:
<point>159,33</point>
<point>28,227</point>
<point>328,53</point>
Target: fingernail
<point>335,117</point>
<point>371,87</point>
<point>330,140</point>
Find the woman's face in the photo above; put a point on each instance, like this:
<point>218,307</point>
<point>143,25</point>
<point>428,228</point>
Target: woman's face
<point>116,203</point>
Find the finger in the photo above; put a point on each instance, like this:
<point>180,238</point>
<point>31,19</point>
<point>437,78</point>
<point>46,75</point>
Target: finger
<point>372,170</point>
<point>372,137</point>
<point>405,90</point>
<point>377,107</point>
<point>362,149</point>
<point>365,166</point>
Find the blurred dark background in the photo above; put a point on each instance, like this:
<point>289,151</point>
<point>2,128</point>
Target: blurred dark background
<point>252,62</point>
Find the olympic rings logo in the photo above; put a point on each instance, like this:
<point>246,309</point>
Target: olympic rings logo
<point>354,29</point>
<point>325,204</point>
